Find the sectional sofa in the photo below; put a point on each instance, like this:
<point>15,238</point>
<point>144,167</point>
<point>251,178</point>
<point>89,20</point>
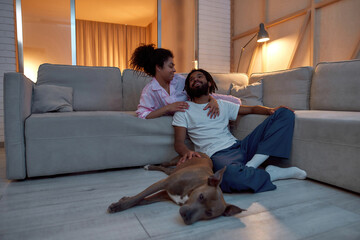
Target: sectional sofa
<point>77,119</point>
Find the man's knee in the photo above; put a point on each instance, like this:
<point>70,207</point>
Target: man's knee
<point>286,113</point>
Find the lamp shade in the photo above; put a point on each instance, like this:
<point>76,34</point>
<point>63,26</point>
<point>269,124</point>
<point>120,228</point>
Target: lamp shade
<point>262,36</point>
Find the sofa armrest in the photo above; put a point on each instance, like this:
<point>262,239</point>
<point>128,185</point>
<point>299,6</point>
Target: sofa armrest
<point>17,107</point>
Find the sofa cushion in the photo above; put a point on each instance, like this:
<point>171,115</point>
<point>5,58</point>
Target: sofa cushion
<point>288,87</point>
<point>94,88</point>
<point>336,86</point>
<point>332,127</point>
<point>246,124</point>
<point>224,80</point>
<point>84,141</point>
<point>326,144</point>
<point>250,95</point>
<point>52,98</point>
<point>133,84</point>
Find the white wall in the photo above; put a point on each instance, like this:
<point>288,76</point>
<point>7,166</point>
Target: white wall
<point>214,35</point>
<point>7,51</point>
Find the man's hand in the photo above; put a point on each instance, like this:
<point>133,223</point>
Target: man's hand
<point>263,110</point>
<point>272,110</point>
<point>188,156</point>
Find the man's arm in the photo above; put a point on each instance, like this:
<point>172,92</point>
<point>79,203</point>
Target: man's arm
<point>180,147</point>
<point>243,110</point>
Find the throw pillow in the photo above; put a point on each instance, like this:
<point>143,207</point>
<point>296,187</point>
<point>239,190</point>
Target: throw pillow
<point>250,95</point>
<point>52,98</point>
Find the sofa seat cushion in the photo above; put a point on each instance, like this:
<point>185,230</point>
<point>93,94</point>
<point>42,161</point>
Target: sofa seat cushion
<point>326,144</point>
<point>246,124</point>
<point>333,127</point>
<point>321,140</point>
<point>82,141</point>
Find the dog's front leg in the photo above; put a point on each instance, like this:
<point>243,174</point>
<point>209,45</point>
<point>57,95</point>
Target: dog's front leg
<point>128,202</point>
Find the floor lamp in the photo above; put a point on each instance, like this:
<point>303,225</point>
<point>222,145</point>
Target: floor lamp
<point>262,36</point>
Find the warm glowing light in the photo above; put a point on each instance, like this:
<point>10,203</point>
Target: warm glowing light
<point>196,64</point>
<point>30,70</point>
<point>263,40</point>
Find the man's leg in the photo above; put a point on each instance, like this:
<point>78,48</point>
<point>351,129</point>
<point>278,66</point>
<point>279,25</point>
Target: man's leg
<point>273,137</point>
<point>277,173</point>
<point>237,176</point>
<point>257,160</point>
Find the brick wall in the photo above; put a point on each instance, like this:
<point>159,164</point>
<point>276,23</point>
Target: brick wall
<point>214,35</point>
<point>7,51</point>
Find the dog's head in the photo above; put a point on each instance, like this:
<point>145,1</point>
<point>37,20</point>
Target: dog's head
<point>207,202</point>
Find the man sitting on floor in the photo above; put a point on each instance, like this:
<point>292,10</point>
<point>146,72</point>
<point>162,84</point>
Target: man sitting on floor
<point>242,158</point>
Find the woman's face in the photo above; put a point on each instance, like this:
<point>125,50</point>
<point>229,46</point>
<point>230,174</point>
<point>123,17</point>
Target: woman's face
<point>167,71</point>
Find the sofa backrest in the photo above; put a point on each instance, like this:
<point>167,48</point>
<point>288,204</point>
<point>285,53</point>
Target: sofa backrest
<point>336,86</point>
<point>224,80</point>
<point>133,83</point>
<point>94,88</point>
<point>287,87</point>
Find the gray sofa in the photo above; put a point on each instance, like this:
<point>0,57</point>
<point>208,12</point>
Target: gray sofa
<point>98,129</point>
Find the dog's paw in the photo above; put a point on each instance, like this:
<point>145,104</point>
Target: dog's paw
<point>146,167</point>
<point>121,205</point>
<point>113,208</point>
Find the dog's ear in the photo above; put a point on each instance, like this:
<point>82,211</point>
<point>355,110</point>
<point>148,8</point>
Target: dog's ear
<point>231,210</point>
<point>216,179</point>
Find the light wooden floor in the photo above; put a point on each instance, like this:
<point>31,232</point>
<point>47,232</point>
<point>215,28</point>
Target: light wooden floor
<point>74,207</point>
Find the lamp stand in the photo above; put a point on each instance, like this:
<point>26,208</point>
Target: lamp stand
<point>242,50</point>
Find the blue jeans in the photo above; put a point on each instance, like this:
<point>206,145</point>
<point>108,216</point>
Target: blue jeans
<point>272,137</point>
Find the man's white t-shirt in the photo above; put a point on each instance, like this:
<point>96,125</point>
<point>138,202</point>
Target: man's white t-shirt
<point>208,135</point>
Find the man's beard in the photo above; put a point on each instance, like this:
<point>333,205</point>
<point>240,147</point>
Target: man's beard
<point>199,91</point>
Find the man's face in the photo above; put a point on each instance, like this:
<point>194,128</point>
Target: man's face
<point>198,84</point>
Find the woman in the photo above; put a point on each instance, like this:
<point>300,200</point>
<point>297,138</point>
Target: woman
<point>165,94</point>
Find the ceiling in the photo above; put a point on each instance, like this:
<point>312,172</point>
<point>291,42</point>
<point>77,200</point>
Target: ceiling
<point>131,12</point>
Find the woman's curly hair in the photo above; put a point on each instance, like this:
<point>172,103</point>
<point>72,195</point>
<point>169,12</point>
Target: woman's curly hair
<point>145,58</point>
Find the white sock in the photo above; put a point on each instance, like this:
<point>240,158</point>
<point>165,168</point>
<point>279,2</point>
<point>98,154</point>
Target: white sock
<point>257,160</point>
<point>277,173</point>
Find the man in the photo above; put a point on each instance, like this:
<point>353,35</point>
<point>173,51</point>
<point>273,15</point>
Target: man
<point>273,137</point>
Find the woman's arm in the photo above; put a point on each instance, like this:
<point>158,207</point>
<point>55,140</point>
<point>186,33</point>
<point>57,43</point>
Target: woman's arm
<point>228,98</point>
<point>171,108</point>
<point>150,107</point>
<point>213,106</point>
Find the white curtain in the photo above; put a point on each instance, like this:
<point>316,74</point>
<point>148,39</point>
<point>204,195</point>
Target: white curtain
<point>108,44</point>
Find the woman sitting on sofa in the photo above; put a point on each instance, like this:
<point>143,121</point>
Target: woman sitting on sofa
<point>165,94</point>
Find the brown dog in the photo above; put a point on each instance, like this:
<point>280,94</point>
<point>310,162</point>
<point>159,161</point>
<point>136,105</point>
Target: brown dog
<point>193,185</point>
